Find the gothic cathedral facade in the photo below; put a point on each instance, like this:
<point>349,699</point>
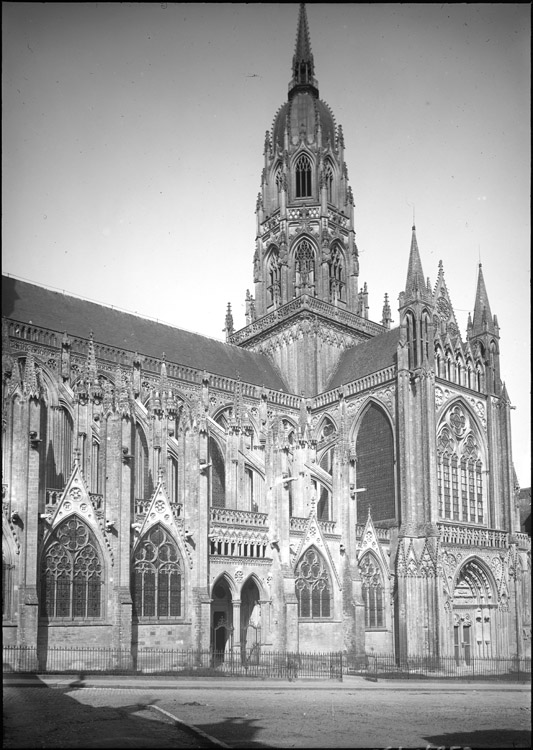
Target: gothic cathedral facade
<point>316,482</point>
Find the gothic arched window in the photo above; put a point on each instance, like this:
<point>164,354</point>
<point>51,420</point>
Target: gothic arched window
<point>304,268</point>
<point>323,508</point>
<point>143,484</point>
<point>375,466</point>
<point>218,475</point>
<point>459,469</point>
<point>303,177</point>
<point>274,279</point>
<point>313,589</point>
<point>411,340</point>
<point>71,573</point>
<point>7,583</point>
<point>336,276</point>
<point>172,479</point>
<point>328,181</point>
<point>157,577</point>
<point>372,582</point>
<point>58,458</point>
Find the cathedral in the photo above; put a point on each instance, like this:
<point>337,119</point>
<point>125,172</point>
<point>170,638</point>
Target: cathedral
<point>318,481</point>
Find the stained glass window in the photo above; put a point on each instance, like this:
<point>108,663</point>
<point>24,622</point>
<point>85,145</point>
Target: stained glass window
<point>157,576</point>
<point>313,589</point>
<point>71,578</point>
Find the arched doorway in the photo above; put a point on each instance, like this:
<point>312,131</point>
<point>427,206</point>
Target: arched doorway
<point>221,621</point>
<point>473,614</point>
<point>250,621</point>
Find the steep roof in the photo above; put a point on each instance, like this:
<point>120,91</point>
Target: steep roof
<point>364,359</point>
<point>30,303</point>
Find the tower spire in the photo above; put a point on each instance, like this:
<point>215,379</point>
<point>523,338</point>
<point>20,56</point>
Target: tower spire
<point>303,66</point>
<point>415,274</point>
<point>482,320</point>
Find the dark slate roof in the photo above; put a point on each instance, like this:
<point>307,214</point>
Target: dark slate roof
<point>25,302</point>
<point>365,358</point>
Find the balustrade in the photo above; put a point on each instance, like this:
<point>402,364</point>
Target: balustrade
<point>233,517</point>
<point>473,536</point>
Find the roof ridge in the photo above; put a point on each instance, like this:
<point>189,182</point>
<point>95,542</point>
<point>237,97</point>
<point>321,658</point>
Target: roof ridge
<point>50,288</point>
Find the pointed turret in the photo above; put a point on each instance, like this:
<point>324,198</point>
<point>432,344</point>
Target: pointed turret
<point>303,66</point>
<point>415,275</point>
<point>386,318</point>
<point>485,332</point>
<point>483,321</point>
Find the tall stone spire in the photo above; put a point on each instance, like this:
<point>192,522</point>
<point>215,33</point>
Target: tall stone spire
<point>415,275</point>
<point>303,66</point>
<point>483,321</point>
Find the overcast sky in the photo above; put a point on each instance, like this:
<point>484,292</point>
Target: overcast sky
<point>133,147</point>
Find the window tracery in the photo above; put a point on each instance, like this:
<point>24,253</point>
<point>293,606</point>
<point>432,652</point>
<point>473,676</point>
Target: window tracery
<point>313,588</point>
<point>304,268</point>
<point>274,279</point>
<point>157,576</point>
<point>71,578</point>
<point>303,177</point>
<point>372,586</point>
<point>459,469</point>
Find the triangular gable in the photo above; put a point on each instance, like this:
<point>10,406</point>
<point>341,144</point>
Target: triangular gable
<point>160,511</point>
<point>370,542</point>
<point>76,500</point>
<point>427,562</point>
<point>411,562</point>
<point>313,537</point>
<point>444,308</point>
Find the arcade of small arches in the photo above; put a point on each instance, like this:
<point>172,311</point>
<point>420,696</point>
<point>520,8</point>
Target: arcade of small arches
<point>466,368</point>
<point>306,179</point>
<point>303,274</point>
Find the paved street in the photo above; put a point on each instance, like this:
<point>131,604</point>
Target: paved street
<point>248,714</point>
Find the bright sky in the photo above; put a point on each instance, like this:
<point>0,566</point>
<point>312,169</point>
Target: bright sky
<point>133,146</point>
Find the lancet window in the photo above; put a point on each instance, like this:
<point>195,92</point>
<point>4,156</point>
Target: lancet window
<point>217,483</point>
<point>7,583</point>
<point>172,478</point>
<point>157,576</point>
<point>411,340</point>
<point>460,469</point>
<point>313,588</point>
<point>143,480</point>
<point>323,508</point>
<point>337,283</point>
<point>58,457</point>
<point>72,573</point>
<point>303,177</point>
<point>375,466</point>
<point>328,181</point>
<point>372,587</point>
<point>274,279</point>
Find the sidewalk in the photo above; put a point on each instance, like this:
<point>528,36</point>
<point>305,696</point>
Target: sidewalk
<point>349,682</point>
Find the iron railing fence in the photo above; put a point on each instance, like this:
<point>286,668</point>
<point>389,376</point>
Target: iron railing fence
<point>258,663</point>
<point>255,663</point>
<point>389,666</point>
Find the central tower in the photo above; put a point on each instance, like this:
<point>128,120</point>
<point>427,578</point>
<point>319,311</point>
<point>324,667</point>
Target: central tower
<point>308,307</point>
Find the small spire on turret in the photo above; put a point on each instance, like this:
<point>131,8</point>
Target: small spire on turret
<point>386,318</point>
<point>228,328</point>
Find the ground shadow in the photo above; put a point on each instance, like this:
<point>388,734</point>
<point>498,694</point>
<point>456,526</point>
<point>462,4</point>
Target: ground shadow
<point>483,738</point>
<point>36,715</point>
<point>235,728</point>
